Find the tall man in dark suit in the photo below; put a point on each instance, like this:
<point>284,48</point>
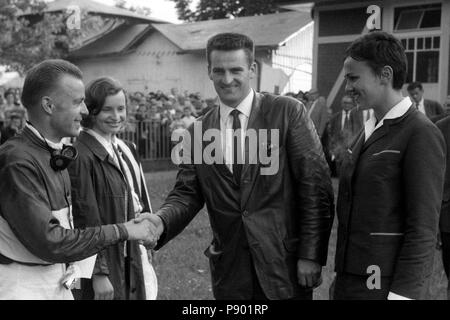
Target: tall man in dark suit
<point>341,130</point>
<point>391,183</point>
<point>444,221</point>
<point>270,229</point>
<point>432,109</point>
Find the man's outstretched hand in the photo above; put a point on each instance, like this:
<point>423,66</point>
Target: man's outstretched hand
<point>157,224</point>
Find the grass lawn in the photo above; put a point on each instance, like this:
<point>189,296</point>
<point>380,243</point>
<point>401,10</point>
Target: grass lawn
<point>183,269</point>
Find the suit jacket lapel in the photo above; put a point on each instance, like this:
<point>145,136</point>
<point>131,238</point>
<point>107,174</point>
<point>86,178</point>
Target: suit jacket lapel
<point>213,122</point>
<point>428,108</point>
<point>377,135</point>
<point>96,147</point>
<point>250,169</point>
<point>355,152</point>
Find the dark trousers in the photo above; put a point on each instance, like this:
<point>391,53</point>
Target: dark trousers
<point>354,287</point>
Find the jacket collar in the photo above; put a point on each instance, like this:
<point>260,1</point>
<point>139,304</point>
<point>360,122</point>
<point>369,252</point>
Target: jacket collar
<point>384,129</point>
<point>30,135</point>
<point>96,147</point>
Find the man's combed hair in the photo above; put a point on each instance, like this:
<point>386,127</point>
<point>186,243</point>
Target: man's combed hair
<point>230,42</point>
<point>96,93</point>
<point>43,78</point>
<point>379,49</point>
<point>415,85</point>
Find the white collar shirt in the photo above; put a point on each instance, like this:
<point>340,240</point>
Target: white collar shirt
<point>53,145</point>
<point>226,126</point>
<point>396,112</point>
<point>421,106</point>
<point>345,114</point>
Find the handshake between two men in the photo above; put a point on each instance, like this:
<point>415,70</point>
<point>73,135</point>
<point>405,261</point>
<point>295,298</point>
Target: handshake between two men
<point>146,228</point>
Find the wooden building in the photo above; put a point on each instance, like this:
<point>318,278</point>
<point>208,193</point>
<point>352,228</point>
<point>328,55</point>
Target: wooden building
<point>423,27</point>
<point>150,56</point>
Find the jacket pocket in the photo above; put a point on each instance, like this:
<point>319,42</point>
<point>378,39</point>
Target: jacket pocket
<point>377,154</point>
<point>382,238</point>
<point>384,250</point>
<point>387,155</point>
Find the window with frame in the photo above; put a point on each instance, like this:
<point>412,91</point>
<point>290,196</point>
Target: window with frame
<point>417,17</point>
<point>423,58</point>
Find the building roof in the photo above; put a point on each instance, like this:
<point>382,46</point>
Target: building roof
<point>100,9</point>
<point>115,42</point>
<point>270,30</point>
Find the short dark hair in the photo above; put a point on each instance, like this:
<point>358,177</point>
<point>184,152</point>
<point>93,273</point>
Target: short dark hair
<point>380,49</point>
<point>96,93</point>
<point>414,85</point>
<point>230,42</point>
<point>42,78</point>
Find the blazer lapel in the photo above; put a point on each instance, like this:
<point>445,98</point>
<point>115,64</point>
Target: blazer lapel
<point>428,108</point>
<point>377,135</point>
<point>213,122</point>
<point>250,169</point>
<point>96,147</point>
<point>355,152</point>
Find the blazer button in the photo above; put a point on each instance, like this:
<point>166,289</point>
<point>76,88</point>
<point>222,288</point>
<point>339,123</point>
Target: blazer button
<point>245,213</point>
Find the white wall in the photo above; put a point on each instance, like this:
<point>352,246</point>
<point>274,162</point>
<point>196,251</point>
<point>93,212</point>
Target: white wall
<point>154,65</point>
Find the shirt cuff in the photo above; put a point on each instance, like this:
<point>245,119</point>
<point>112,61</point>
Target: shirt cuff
<point>394,296</point>
<point>122,230</point>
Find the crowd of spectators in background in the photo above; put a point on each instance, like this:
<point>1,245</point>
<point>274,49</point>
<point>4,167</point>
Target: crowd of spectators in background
<point>154,116</point>
<point>12,114</point>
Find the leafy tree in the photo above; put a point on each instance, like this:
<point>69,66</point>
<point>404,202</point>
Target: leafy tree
<point>123,4</point>
<point>26,41</point>
<point>28,35</point>
<point>221,9</point>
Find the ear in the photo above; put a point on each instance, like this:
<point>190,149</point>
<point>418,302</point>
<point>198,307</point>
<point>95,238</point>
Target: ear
<point>387,75</point>
<point>46,105</point>
<point>209,72</point>
<point>253,70</point>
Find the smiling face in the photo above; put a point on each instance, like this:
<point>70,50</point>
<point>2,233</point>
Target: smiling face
<point>111,118</point>
<point>416,94</point>
<point>362,83</point>
<point>67,107</point>
<point>231,74</point>
<point>347,103</point>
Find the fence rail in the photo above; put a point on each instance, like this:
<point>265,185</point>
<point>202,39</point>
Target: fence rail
<point>152,138</point>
